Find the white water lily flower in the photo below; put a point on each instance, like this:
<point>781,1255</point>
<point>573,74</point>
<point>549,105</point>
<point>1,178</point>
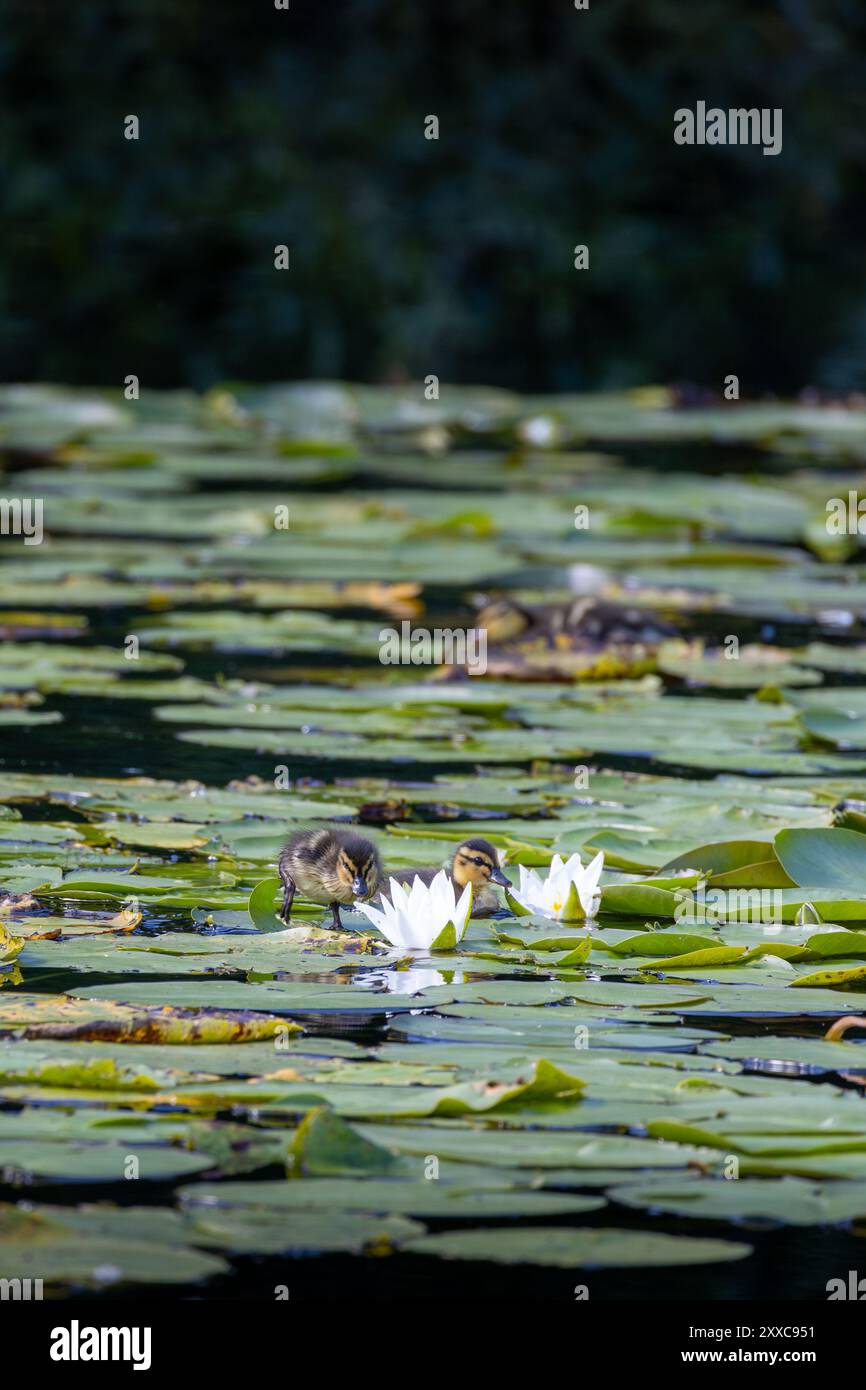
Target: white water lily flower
<point>569,892</point>
<point>418,919</point>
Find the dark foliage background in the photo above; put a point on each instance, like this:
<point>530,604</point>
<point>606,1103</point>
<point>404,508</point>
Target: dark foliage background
<point>411,256</point>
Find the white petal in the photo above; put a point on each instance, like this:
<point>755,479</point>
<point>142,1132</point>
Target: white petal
<point>398,896</point>
<point>442,893</point>
<point>462,910</point>
<point>386,922</point>
<point>393,933</point>
<point>418,896</point>
<point>373,914</point>
<point>531,886</point>
<point>587,888</point>
<point>573,867</point>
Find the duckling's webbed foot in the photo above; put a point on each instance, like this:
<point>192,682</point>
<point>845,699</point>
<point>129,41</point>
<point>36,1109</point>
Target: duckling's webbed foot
<point>336,923</point>
<point>285,913</point>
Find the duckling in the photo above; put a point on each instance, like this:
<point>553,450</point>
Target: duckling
<point>329,866</point>
<point>588,622</point>
<point>475,862</point>
<point>587,638</point>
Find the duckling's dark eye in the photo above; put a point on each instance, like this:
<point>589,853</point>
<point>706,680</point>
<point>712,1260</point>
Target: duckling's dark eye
<point>479,862</point>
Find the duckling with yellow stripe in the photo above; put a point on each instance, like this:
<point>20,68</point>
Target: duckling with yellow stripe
<point>475,861</point>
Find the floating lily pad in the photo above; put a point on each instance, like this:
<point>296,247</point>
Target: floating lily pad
<point>790,1201</point>
<point>570,1248</point>
<point>101,1262</point>
<point>440,1198</point>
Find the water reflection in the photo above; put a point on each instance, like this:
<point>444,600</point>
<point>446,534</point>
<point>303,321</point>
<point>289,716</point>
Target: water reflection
<point>406,981</point>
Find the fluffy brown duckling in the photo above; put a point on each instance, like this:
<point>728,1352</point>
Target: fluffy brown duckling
<point>328,866</point>
<point>587,622</point>
<point>586,639</point>
<point>476,862</point>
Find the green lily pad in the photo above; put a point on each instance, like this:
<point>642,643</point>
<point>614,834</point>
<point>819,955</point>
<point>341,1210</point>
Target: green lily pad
<point>101,1262</point>
<point>475,1197</point>
<point>570,1248</point>
<point>315,1232</point>
<point>835,858</point>
<point>326,1145</point>
<point>788,1201</point>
